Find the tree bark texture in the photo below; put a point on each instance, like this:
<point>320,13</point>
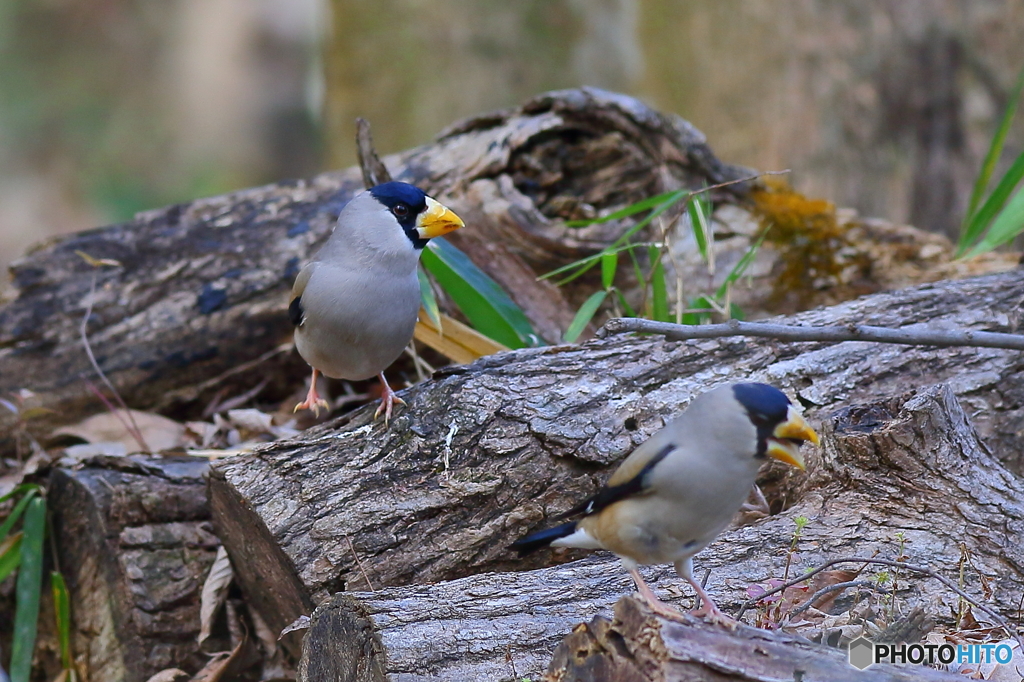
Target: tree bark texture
<point>202,287</point>
<point>135,544</point>
<point>485,452</point>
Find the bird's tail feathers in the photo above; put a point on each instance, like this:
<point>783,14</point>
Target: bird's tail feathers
<point>542,538</point>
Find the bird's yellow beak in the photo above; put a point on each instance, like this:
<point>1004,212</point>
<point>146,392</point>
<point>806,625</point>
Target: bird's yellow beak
<point>784,443</point>
<point>437,220</point>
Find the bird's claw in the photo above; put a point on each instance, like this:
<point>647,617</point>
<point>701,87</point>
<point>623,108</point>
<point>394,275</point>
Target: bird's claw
<point>313,400</point>
<point>387,401</point>
<point>314,405</point>
<point>711,614</point>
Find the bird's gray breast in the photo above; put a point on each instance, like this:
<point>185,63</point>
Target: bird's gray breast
<point>357,320</point>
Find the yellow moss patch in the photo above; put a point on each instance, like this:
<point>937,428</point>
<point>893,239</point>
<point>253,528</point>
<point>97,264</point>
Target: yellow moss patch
<point>808,238</point>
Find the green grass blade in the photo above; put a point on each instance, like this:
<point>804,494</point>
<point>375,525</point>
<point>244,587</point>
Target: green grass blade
<point>701,302</point>
<point>10,555</point>
<point>672,196</point>
<point>1007,225</point>
<point>659,289</point>
<point>30,583</point>
<point>988,166</point>
<point>62,612</point>
<point>626,307</point>
<point>427,298</point>
<point>481,300</point>
<point>584,315</point>
<point>993,205</point>
<point>698,210</point>
<point>9,522</point>
<point>23,488</point>
<point>740,267</point>
<point>609,264</point>
<point>668,200</point>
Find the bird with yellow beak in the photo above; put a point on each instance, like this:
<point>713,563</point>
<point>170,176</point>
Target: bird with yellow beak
<point>678,490</point>
<point>354,306</point>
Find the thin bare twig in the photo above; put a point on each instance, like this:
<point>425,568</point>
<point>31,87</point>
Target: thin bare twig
<point>923,570</point>
<point>838,587</point>
<point>359,563</point>
<point>130,425</point>
<point>834,334</point>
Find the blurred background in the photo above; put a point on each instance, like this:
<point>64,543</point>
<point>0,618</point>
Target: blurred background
<point>109,107</point>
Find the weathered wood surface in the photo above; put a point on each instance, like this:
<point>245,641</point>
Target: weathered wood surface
<point>485,452</point>
<point>641,647</point>
<point>202,286</point>
<point>491,626</point>
<point>135,543</point>
<point>891,465</point>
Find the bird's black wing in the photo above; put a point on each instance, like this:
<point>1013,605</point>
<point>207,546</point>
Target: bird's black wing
<point>608,496</point>
<point>295,312</point>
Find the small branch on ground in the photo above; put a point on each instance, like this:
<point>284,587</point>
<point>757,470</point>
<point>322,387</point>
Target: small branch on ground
<point>923,570</point>
<point>833,334</point>
<point>130,424</point>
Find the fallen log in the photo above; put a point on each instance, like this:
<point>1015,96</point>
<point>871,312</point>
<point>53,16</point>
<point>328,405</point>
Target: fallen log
<point>198,289</point>
<point>487,451</point>
<point>912,450</point>
<point>135,544</point>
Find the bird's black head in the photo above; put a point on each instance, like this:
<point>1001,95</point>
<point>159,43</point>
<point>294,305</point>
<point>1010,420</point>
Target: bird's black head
<point>406,202</point>
<point>766,406</point>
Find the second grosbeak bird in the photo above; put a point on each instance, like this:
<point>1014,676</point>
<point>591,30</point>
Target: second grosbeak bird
<point>678,490</point>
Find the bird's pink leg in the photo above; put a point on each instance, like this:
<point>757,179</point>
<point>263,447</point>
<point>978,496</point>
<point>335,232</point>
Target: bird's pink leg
<point>387,400</point>
<point>658,606</point>
<point>313,400</point>
<point>708,611</point>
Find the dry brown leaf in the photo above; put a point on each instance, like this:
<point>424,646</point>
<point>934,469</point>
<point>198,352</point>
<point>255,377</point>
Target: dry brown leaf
<point>169,675</point>
<point>300,623</point>
<point>218,666</point>
<point>86,450</point>
<point>215,591</point>
<point>159,433</point>
<point>251,420</point>
<point>274,665</point>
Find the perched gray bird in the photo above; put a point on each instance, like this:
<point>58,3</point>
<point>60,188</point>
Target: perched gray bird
<point>676,492</point>
<point>354,306</point>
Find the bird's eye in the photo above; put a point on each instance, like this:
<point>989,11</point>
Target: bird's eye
<point>400,211</point>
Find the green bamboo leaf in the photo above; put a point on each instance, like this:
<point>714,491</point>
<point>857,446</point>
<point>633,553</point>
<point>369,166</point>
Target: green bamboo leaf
<point>62,613</point>
<point>481,300</point>
<point>659,290</point>
<point>427,298</point>
<point>1007,225</point>
<point>994,204</point>
<point>27,590</point>
<point>584,315</point>
<point>10,555</point>
<point>969,231</point>
<point>672,196</point>
<point>609,264</point>
<point>9,522</point>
